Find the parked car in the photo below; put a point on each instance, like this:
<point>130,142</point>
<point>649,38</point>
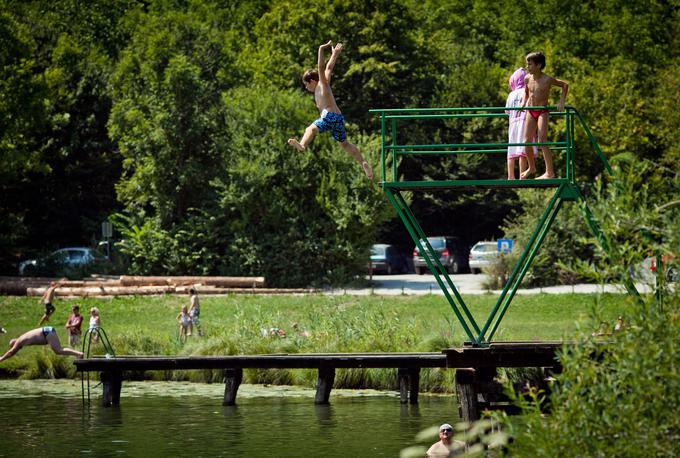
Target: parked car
<point>453,254</point>
<point>646,270</point>
<point>482,254</point>
<point>62,259</point>
<point>386,258</point>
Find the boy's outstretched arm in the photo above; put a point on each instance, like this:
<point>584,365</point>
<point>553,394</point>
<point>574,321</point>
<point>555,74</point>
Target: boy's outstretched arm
<point>321,63</point>
<point>565,89</point>
<point>331,62</point>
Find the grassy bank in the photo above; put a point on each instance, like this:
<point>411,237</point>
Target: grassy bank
<point>235,324</point>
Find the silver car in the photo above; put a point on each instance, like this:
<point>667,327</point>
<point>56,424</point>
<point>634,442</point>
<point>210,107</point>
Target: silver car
<point>72,257</point>
<point>483,254</point>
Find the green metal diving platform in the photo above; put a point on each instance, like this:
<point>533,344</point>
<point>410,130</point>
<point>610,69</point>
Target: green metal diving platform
<point>395,124</point>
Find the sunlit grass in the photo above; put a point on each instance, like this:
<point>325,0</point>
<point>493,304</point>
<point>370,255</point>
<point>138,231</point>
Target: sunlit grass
<point>241,324</point>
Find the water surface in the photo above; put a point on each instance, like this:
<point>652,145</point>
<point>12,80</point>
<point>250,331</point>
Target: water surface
<point>46,418</point>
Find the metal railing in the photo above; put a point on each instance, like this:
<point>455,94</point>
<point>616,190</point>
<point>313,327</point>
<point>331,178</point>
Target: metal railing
<point>392,150</point>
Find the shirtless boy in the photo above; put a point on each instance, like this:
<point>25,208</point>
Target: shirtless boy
<point>537,88</point>
<point>46,300</point>
<point>39,336</point>
<point>319,82</point>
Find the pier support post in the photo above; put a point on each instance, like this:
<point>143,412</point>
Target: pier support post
<point>467,394</point>
<point>232,380</point>
<point>409,384</point>
<point>324,384</point>
<point>111,385</point>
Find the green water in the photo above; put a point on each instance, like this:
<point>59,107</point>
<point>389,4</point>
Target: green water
<point>45,418</point>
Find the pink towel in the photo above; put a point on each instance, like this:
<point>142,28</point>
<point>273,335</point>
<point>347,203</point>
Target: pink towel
<point>517,79</point>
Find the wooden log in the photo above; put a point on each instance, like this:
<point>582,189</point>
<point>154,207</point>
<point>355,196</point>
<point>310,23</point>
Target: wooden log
<point>324,385</point>
<point>232,380</point>
<point>225,282</point>
<point>157,290</point>
<point>104,291</point>
<point>467,394</point>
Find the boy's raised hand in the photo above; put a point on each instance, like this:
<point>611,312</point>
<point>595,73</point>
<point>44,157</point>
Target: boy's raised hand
<point>337,48</point>
<point>326,45</point>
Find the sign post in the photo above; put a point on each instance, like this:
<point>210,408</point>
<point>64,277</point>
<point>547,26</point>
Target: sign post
<point>505,245</point>
<point>107,232</point>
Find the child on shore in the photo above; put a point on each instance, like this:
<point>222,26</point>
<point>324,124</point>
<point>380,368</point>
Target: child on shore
<point>184,321</point>
<point>318,81</point>
<point>516,126</point>
<point>194,313</point>
<point>537,89</point>
<point>95,323</point>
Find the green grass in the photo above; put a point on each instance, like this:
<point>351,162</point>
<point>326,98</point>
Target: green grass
<point>234,325</point>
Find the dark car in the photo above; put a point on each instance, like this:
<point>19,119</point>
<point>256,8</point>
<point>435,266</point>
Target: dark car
<point>453,254</point>
<point>385,258</point>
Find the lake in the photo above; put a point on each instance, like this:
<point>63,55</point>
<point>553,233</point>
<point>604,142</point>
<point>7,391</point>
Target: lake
<point>45,418</point>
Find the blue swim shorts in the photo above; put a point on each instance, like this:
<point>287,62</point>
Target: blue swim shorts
<point>335,122</point>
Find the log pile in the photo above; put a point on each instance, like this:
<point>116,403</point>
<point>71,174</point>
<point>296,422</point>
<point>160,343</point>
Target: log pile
<point>127,285</point>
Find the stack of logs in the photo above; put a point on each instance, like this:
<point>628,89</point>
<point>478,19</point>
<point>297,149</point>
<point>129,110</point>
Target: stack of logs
<point>125,285</point>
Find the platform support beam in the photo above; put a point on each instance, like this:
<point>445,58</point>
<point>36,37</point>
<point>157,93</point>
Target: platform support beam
<point>409,384</point>
<point>112,383</point>
<point>232,380</point>
<point>324,385</point>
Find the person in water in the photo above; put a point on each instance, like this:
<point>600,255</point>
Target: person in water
<point>39,336</point>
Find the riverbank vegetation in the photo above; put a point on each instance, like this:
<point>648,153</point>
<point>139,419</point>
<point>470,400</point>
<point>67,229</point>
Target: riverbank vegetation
<point>243,324</point>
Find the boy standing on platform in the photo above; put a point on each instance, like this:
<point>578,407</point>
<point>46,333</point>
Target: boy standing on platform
<point>537,86</point>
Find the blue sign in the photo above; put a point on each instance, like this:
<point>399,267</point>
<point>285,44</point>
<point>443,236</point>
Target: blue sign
<point>505,245</point>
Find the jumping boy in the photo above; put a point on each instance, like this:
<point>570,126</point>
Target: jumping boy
<point>318,81</point>
<point>537,88</point>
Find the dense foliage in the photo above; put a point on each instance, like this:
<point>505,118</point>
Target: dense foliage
<point>170,117</point>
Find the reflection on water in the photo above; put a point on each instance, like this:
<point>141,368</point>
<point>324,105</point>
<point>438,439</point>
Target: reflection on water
<point>47,418</point>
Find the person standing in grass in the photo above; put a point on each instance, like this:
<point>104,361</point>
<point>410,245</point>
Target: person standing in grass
<point>194,312</point>
<point>39,336</point>
<point>73,326</point>
<point>46,300</point>
<point>184,321</point>
<point>95,323</point>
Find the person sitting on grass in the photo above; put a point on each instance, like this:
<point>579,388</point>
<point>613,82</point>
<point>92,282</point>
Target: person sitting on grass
<point>39,336</point>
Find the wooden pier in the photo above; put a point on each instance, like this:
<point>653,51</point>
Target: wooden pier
<point>475,369</point>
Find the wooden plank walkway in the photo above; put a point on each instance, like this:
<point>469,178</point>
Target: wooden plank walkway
<point>476,368</point>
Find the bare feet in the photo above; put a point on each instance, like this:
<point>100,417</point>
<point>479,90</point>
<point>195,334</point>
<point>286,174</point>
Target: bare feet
<point>527,174</point>
<point>296,144</point>
<point>546,176</point>
<point>367,169</point>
